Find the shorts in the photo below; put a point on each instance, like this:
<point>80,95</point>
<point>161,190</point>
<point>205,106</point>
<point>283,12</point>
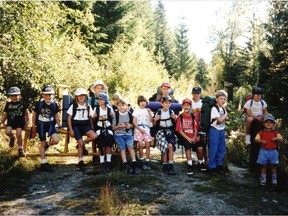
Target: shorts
<point>80,131</point>
<point>124,141</point>
<point>187,145</point>
<point>16,124</point>
<point>45,127</point>
<point>104,140</point>
<point>266,157</point>
<point>138,136</point>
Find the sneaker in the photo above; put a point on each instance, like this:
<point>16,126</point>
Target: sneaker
<point>202,167</point>
<point>171,169</point>
<point>135,169</point>
<point>248,139</point>
<point>127,168</point>
<point>81,166</point>
<point>144,166</point>
<point>21,153</point>
<point>12,141</point>
<point>190,170</point>
<point>274,182</point>
<point>165,168</point>
<point>46,167</point>
<point>46,146</point>
<point>262,181</point>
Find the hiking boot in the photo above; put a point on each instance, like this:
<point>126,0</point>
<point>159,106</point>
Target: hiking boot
<point>171,169</point>
<point>202,167</point>
<point>212,172</point>
<point>190,170</point>
<point>135,169</point>
<point>46,146</point>
<point>165,168</point>
<point>144,166</point>
<point>247,139</point>
<point>81,166</point>
<point>274,182</point>
<point>12,141</point>
<point>46,167</point>
<point>262,181</point>
<point>108,167</point>
<point>94,160</point>
<point>220,171</point>
<point>127,168</point>
<point>21,153</point>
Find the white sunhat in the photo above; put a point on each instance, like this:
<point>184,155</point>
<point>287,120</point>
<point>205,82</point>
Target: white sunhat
<point>81,91</point>
<point>99,82</point>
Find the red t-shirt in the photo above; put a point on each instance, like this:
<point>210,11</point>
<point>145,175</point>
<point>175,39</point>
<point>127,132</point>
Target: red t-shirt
<point>187,125</point>
<point>267,136</point>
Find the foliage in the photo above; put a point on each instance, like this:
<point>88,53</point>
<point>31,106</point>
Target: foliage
<point>202,73</point>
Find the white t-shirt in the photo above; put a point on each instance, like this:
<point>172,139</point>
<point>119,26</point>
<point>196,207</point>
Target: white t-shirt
<point>196,105</point>
<point>81,113</point>
<point>166,115</point>
<point>143,118</point>
<point>214,115</point>
<point>256,108</point>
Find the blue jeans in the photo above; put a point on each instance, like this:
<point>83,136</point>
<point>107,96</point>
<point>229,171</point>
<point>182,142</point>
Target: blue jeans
<point>124,141</point>
<point>217,147</point>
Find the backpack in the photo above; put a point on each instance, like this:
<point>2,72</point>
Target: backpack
<point>156,127</point>
<point>96,127</point>
<point>249,98</point>
<point>41,105</point>
<point>207,103</point>
<point>75,109</point>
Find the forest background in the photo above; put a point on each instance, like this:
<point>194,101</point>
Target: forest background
<point>129,45</point>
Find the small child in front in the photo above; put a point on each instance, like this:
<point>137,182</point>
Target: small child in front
<point>123,129</point>
<point>268,153</point>
<point>217,146</point>
<point>166,139</point>
<point>142,118</point>
<point>79,123</point>
<point>17,116</point>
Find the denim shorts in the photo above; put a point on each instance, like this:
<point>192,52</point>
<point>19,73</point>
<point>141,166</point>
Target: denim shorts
<point>266,157</point>
<point>124,141</point>
<point>80,130</point>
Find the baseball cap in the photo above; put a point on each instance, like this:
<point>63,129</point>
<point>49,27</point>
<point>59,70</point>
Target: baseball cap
<point>166,84</point>
<point>48,90</point>
<point>165,98</point>
<point>196,90</point>
<point>14,91</point>
<point>187,100</point>
<point>269,117</point>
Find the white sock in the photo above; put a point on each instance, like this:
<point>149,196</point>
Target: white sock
<point>147,159</point>
<point>201,161</point>
<point>80,158</point>
<point>43,161</point>
<point>141,159</point>
<point>108,157</point>
<point>171,162</point>
<point>102,157</point>
<point>189,162</point>
<point>20,147</point>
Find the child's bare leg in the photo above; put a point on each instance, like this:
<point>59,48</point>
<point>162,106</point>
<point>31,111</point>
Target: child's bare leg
<point>42,150</point>
<point>147,146</point>
<point>123,155</point>
<point>91,135</point>
<point>80,143</point>
<point>170,152</point>
<point>248,124</point>
<point>200,153</point>
<point>19,137</point>
<point>54,139</point>
<point>8,131</point>
<point>132,153</point>
<point>164,156</point>
<point>140,147</point>
<point>188,154</point>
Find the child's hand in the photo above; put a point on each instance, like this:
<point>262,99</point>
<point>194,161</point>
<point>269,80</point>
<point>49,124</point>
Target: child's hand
<point>263,142</point>
<point>274,139</point>
<point>71,133</point>
<point>157,117</point>
<point>142,131</point>
<point>173,116</point>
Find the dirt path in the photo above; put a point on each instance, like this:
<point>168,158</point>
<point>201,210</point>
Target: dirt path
<point>68,191</point>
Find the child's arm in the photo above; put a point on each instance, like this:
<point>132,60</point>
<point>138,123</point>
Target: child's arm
<point>34,122</point>
<point>69,122</point>
<point>57,120</point>
<point>150,115</point>
<point>136,125</point>
<point>259,140</point>
<point>278,138</point>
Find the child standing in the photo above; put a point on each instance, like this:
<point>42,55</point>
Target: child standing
<point>103,127</point>
<point>123,129</point>
<point>217,146</point>
<point>187,127</point>
<point>79,123</point>
<point>45,116</point>
<point>196,110</point>
<point>142,119</point>
<point>97,87</point>
<point>268,153</point>
<point>256,109</point>
<point>17,116</point>
<point>165,137</point>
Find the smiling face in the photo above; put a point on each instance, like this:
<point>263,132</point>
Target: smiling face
<point>101,101</point>
<point>221,100</point>
<point>196,97</point>
<point>48,97</point>
<point>166,105</point>
<point>142,104</point>
<point>268,124</point>
<point>186,107</point>
<point>81,98</point>
<point>122,107</point>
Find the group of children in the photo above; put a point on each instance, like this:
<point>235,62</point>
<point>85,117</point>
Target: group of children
<point>103,124</point>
